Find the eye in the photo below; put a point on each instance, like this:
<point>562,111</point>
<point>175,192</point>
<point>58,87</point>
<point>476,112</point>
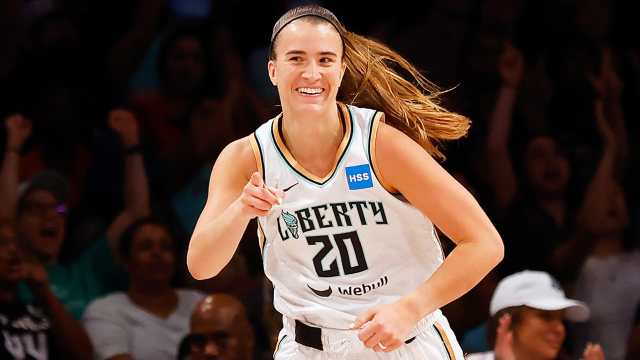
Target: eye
<point>167,246</point>
<point>295,58</point>
<point>326,60</point>
<point>143,244</point>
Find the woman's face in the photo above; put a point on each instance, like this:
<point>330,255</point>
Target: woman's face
<point>186,65</point>
<point>152,255</point>
<point>547,168</point>
<point>308,67</point>
<point>10,261</point>
<point>41,225</point>
<point>539,333</point>
<point>616,216</point>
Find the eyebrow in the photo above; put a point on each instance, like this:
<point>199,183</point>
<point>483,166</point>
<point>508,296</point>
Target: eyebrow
<point>300,52</point>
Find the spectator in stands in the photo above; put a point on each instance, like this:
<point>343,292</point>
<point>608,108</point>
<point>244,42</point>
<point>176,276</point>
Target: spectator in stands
<point>220,330</point>
<point>527,313</point>
<point>542,225</point>
<point>41,330</point>
<point>184,71</point>
<point>40,211</point>
<point>149,319</point>
<point>608,282</point>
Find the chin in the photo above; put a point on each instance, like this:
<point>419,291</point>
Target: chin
<point>552,187</point>
<point>316,105</point>
<point>48,251</point>
<point>550,353</point>
<point>11,278</point>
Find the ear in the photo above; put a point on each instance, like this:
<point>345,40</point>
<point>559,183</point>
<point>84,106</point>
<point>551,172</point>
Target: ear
<point>342,71</point>
<point>271,68</point>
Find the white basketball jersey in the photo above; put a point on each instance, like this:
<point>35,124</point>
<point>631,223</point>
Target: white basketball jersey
<point>340,245</point>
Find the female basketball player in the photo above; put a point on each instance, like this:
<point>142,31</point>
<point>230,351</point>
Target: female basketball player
<point>345,198</point>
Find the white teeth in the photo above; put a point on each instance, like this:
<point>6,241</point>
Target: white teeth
<point>310,91</point>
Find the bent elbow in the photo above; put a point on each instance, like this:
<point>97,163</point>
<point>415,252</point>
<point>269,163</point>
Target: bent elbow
<point>497,249</point>
<point>142,211</point>
<point>199,275</point>
<point>198,271</point>
<point>199,267</point>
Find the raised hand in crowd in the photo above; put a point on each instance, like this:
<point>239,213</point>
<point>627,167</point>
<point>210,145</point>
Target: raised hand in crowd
<point>136,189</point>
<point>593,352</point>
<point>607,84</point>
<point>128,52</point>
<point>41,218</point>
<point>68,335</point>
<point>504,339</point>
<point>44,328</point>
<point>18,131</point>
<point>502,173</point>
<point>211,126</point>
<point>511,66</point>
<point>125,124</point>
<point>592,213</point>
<point>608,87</point>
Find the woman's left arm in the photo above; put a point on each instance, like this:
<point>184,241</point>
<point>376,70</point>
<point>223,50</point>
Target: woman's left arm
<point>409,169</point>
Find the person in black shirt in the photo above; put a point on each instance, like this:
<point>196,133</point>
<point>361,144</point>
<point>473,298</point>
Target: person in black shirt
<point>43,330</point>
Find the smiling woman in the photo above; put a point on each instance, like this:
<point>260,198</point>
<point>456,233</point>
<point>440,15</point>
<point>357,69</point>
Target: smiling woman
<point>350,247</point>
<point>527,313</point>
<point>148,320</point>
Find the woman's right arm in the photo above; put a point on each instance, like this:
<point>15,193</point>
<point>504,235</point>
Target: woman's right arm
<point>237,194</point>
<point>501,169</point>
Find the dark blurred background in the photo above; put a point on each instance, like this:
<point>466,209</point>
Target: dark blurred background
<point>101,95</point>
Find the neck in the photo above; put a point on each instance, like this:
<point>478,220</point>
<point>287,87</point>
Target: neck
<point>7,293</point>
<point>608,245</point>
<point>522,354</point>
<point>144,290</point>
<point>39,257</point>
<point>162,302</point>
<point>555,206</point>
<point>175,95</point>
<point>323,130</point>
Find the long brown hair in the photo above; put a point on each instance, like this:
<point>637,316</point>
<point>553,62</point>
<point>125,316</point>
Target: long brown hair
<point>374,79</point>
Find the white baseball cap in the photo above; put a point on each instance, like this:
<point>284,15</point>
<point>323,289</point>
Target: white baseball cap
<point>538,290</point>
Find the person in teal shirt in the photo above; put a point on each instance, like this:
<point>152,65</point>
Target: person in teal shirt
<point>40,212</point>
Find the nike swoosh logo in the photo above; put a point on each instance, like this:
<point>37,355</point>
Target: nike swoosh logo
<point>289,188</point>
<point>321,293</point>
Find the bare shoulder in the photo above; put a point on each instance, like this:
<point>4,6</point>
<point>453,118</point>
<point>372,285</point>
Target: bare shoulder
<point>238,157</point>
<point>391,138</point>
<point>401,161</point>
<point>392,143</point>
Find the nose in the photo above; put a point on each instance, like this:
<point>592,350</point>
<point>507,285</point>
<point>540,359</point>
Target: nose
<point>12,250</point>
<point>211,349</point>
<point>158,251</point>
<point>558,327</point>
<point>51,212</point>
<point>311,71</point>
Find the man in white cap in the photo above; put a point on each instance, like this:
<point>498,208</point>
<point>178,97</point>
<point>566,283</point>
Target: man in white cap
<point>527,312</point>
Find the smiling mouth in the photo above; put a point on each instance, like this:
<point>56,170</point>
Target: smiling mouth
<point>14,264</point>
<point>555,343</point>
<point>48,232</point>
<point>308,91</point>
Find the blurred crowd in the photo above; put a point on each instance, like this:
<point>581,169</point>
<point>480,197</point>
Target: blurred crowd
<point>114,111</point>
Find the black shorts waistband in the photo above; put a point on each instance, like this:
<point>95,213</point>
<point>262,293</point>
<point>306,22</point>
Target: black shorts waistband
<point>312,336</point>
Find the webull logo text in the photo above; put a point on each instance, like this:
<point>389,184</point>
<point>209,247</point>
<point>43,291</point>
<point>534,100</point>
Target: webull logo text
<point>364,288</point>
